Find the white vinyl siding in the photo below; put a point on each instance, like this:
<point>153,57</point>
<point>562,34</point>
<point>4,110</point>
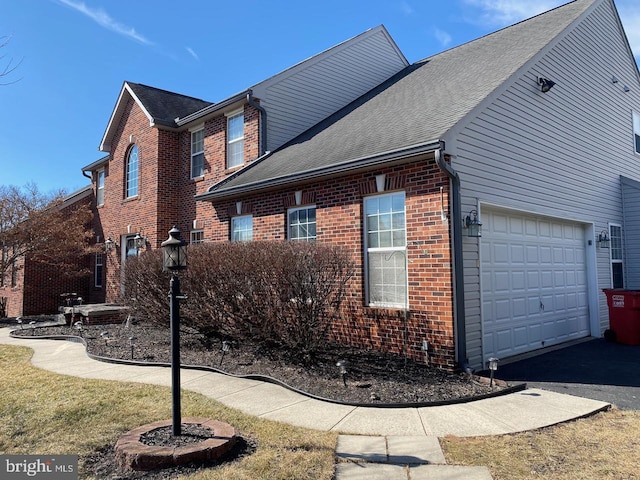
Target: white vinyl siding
<point>235,140</point>
<point>386,247</point>
<point>631,202</point>
<point>242,228</point>
<point>542,153</point>
<point>336,78</point>
<point>197,153</point>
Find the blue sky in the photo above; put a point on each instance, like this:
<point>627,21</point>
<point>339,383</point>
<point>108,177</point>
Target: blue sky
<point>73,56</point>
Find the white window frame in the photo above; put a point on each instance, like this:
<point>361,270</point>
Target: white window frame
<point>99,272</point>
<point>310,228</point>
<point>196,236</point>
<point>100,187</point>
<point>197,151</point>
<point>132,183</point>
<point>235,141</point>
<point>636,132</point>
<point>616,251</point>
<point>240,232</point>
<point>394,252</point>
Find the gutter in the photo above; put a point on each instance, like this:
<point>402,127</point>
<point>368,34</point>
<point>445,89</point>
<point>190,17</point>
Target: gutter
<point>458,268</point>
<point>310,175</point>
<point>262,141</point>
<point>214,107</point>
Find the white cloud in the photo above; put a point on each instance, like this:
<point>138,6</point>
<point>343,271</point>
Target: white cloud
<point>406,8</point>
<point>103,19</point>
<point>192,53</point>
<point>500,13</point>
<point>630,15</point>
<point>443,37</point>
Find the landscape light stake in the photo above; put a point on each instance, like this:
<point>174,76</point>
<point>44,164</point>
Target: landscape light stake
<point>174,259</point>
<point>132,341</point>
<point>343,370</point>
<point>493,366</point>
<point>226,346</point>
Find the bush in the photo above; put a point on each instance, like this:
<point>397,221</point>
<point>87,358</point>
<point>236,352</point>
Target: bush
<point>274,293</point>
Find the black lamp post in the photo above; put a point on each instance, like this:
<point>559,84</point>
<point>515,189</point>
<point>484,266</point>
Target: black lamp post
<point>175,259</point>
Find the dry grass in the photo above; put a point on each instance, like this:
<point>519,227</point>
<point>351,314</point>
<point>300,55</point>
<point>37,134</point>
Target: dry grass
<point>604,446</point>
<point>46,413</point>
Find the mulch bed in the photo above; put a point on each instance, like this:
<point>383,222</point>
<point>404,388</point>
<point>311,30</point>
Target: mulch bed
<point>372,377</point>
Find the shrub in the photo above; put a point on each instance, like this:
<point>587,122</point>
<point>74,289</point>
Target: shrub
<point>274,293</point>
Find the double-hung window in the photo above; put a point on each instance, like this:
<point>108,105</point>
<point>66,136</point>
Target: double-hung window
<point>242,228</point>
<point>301,223</point>
<point>197,153</point>
<point>235,140</point>
<point>99,270</point>
<point>131,174</point>
<point>197,236</point>
<point>386,250</point>
<point>617,260</point>
<point>100,187</point>
<point>636,132</point>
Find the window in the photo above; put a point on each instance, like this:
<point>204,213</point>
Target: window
<point>100,187</point>
<point>242,228</point>
<point>131,175</point>
<point>235,140</point>
<point>636,132</point>
<point>99,271</point>
<point>386,248</point>
<point>197,236</point>
<point>130,247</point>
<point>617,276</point>
<point>197,153</point>
<point>302,223</point>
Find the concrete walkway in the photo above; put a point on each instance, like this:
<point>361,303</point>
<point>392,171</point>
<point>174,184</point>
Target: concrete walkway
<point>375,443</point>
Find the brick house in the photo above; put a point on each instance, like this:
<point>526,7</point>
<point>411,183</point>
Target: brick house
<point>401,164</point>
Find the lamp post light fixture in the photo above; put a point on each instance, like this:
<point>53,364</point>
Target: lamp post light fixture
<point>343,370</point>
<point>175,259</point>
<point>603,239</point>
<point>473,225</point>
<point>493,366</point>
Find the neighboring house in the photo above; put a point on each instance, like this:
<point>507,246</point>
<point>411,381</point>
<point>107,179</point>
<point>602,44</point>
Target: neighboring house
<point>358,148</point>
<point>31,287</point>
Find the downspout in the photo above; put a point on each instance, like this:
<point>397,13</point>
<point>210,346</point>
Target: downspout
<point>458,268</point>
<point>263,122</point>
<point>84,173</point>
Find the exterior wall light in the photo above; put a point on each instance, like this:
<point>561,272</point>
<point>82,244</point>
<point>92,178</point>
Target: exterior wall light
<point>545,84</point>
<point>109,245</point>
<point>139,241</point>
<point>493,366</point>
<point>474,227</point>
<point>603,239</point>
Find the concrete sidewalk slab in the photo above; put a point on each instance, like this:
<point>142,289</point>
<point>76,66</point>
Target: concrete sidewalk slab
<point>382,421</point>
<point>311,414</point>
<point>371,471</point>
<point>414,450</point>
<point>262,399</point>
<point>448,472</point>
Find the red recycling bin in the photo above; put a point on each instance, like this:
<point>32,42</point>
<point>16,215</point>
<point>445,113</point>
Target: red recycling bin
<point>624,314</point>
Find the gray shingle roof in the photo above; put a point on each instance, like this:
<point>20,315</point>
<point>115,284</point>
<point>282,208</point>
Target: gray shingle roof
<point>417,106</point>
<point>166,106</point>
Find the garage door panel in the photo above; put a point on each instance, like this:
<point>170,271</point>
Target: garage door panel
<point>534,283</point>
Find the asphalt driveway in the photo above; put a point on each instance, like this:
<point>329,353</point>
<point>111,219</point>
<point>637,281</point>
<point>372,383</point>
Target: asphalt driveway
<point>594,369</point>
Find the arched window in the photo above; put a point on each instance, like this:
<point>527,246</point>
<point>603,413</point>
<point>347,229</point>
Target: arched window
<point>131,174</point>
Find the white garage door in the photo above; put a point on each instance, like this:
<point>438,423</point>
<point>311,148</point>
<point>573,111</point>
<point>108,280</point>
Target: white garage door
<point>534,283</point>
